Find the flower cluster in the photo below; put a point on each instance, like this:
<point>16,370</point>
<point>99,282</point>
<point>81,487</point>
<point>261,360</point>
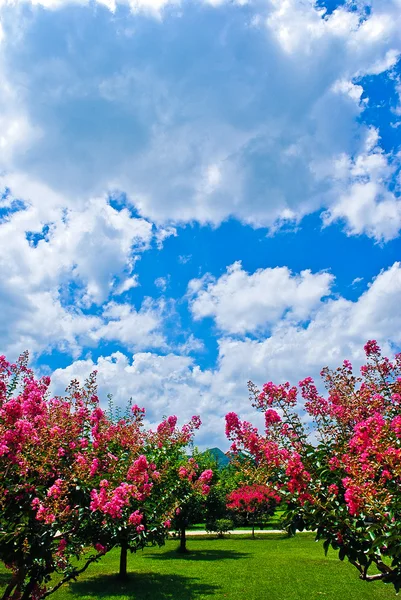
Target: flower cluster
<point>345,485</point>
<point>253,499</point>
<point>75,482</point>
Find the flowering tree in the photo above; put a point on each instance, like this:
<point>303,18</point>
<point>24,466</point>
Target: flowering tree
<point>44,508</point>
<point>345,485</point>
<point>73,484</point>
<point>253,501</point>
<point>194,486</point>
<point>138,487</point>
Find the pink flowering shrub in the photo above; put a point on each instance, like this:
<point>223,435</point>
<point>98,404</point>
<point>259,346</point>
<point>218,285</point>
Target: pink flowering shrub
<point>137,485</point>
<point>346,484</point>
<point>253,502</point>
<point>74,482</point>
<point>44,517</point>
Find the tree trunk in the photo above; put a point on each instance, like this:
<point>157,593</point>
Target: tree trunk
<point>29,590</point>
<point>183,541</point>
<point>253,530</point>
<point>13,589</point>
<point>123,559</point>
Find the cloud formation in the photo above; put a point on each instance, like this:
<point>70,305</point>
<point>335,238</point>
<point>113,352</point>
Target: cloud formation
<point>243,303</point>
<point>125,124</point>
<point>175,384</point>
<point>244,110</point>
<point>56,264</point>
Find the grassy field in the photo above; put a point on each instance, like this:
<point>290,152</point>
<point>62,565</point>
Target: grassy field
<point>268,568</point>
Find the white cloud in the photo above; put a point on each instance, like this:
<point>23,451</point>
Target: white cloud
<point>152,7</point>
<point>241,303</point>
<point>127,285</point>
<point>162,283</point>
<point>164,385</point>
<point>200,114</point>
<point>55,263</point>
<point>338,330</point>
<point>259,145</point>
<point>132,328</point>
<point>38,321</point>
<point>162,233</point>
<point>365,202</point>
<point>192,344</point>
<point>174,384</point>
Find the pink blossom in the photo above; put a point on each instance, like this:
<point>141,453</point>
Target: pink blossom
<point>206,476</point>
<point>271,417</point>
<point>371,347</point>
<point>135,518</point>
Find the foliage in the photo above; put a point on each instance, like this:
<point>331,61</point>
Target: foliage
<point>345,485</point>
<point>74,483</point>
<point>220,526</point>
<point>254,502</point>
<point>138,492</point>
<point>195,477</point>
<point>44,499</point>
<point>215,506</point>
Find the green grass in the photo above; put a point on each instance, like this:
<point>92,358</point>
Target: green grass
<point>268,568</point>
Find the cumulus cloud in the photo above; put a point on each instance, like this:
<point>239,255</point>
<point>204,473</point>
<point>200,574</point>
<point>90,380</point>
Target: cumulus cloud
<point>242,303</point>
<point>365,202</point>
<point>127,285</point>
<point>132,328</point>
<point>338,330</point>
<point>196,111</point>
<point>176,384</point>
<point>169,384</point>
<point>215,110</point>
<point>56,263</point>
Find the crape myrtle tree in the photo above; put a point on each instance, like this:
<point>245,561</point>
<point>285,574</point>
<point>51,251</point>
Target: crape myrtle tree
<point>137,479</point>
<point>253,502</point>
<point>196,476</point>
<point>345,484</point>
<point>73,484</point>
<point>44,500</point>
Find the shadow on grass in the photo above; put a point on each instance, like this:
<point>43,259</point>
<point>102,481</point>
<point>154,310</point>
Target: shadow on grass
<point>144,586</point>
<point>208,555</point>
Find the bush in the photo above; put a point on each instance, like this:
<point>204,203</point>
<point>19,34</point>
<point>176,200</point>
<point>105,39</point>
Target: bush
<point>220,526</point>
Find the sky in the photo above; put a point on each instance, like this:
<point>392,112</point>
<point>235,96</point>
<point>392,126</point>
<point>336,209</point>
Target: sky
<point>197,193</point>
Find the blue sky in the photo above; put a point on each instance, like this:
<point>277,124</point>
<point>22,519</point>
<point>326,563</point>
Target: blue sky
<point>197,193</point>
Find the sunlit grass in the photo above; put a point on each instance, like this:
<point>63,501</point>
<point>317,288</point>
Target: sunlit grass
<point>235,568</point>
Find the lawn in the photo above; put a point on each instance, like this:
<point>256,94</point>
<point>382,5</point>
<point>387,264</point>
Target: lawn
<point>268,568</point>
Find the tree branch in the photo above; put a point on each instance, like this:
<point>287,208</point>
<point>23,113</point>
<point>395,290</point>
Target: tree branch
<point>375,577</point>
<point>73,575</point>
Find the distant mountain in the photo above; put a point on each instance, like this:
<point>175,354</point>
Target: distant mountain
<point>221,459</point>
